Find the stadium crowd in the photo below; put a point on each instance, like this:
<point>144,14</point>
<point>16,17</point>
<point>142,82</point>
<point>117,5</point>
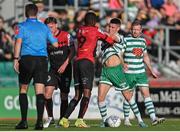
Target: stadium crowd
<point>151,13</point>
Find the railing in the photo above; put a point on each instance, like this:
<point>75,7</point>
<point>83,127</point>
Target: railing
<point>169,50</point>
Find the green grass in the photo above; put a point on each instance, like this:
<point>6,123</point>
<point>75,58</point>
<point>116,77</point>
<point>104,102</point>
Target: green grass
<point>168,125</point>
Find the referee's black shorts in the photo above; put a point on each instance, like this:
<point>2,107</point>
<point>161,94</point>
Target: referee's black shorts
<point>33,67</point>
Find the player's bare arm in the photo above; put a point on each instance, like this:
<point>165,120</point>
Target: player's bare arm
<point>148,63</point>
<point>17,49</point>
<point>69,58</point>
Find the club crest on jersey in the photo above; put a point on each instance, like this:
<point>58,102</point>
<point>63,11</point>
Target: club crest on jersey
<point>137,52</point>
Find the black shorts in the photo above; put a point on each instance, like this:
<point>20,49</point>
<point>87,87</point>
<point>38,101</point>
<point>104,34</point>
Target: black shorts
<point>61,81</point>
<point>83,73</point>
<point>35,67</point>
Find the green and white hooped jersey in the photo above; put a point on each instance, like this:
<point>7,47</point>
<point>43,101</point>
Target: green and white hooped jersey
<point>133,49</point>
<point>116,49</point>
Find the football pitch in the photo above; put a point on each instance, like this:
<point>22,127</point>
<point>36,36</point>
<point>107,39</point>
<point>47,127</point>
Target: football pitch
<point>168,125</point>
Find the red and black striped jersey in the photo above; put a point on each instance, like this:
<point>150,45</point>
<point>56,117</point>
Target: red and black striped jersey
<point>87,37</point>
<point>57,56</point>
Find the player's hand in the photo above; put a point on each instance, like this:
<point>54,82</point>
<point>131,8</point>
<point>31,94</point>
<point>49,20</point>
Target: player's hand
<point>125,67</point>
<point>154,75</point>
<point>16,65</point>
<point>62,67</point>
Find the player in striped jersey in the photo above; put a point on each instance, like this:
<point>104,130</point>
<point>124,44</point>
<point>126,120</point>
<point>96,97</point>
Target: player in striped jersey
<point>112,75</point>
<point>135,55</point>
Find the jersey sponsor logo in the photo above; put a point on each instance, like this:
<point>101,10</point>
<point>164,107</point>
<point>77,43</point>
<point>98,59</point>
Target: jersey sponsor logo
<point>137,52</point>
<point>59,52</point>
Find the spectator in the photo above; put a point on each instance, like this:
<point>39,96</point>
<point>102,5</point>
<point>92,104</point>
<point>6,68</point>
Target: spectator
<point>163,16</point>
<point>142,16</point>
<point>150,34</point>
<point>177,3</point>
<point>155,17</point>
<point>5,43</point>
<point>71,29</point>
<point>42,14</point>
<point>132,10</point>
<point>95,4</point>
<point>63,17</point>
<point>79,17</point>
<point>126,31</point>
<point>116,4</point>
<point>170,8</point>
<point>177,18</point>
<point>157,4</point>
<point>170,21</point>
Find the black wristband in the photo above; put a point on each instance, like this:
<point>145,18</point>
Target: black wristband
<point>16,58</point>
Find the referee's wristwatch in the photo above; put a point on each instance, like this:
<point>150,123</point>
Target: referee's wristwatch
<point>15,58</point>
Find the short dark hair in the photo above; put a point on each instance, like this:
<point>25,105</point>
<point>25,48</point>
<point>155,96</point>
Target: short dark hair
<point>31,10</point>
<point>90,19</point>
<point>50,20</point>
<point>136,23</point>
<point>115,21</point>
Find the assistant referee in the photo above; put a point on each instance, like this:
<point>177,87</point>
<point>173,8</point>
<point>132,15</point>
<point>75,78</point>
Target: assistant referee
<point>30,61</point>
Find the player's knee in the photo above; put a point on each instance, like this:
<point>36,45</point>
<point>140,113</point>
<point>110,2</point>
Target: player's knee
<point>101,98</point>
<point>87,93</point>
<point>47,95</point>
<point>23,89</point>
<point>145,94</point>
<point>127,97</point>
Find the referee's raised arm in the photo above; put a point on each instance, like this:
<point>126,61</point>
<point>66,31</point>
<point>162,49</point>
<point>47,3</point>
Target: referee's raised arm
<point>30,61</point>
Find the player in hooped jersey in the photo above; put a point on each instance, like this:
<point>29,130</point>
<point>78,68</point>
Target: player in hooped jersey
<point>60,72</point>
<point>112,75</point>
<point>135,58</point>
<point>84,68</point>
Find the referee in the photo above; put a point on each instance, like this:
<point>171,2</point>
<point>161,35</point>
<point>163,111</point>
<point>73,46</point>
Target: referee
<point>30,61</point>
